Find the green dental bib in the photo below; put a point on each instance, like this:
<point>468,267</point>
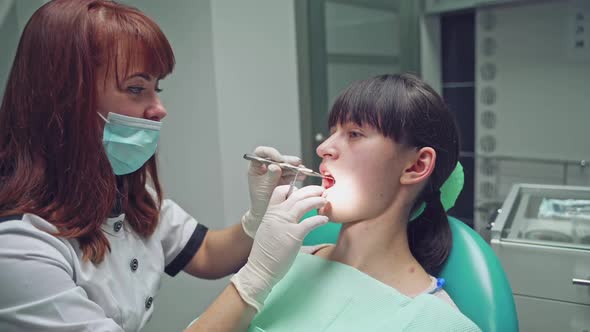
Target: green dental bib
<point>321,295</point>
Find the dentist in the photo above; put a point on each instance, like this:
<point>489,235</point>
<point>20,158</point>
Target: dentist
<point>85,233</point>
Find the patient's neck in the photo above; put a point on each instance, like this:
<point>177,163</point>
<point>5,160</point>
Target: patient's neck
<point>379,248</point>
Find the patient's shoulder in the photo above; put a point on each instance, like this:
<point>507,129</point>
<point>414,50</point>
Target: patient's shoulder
<point>441,294</point>
<point>425,313</point>
<point>446,298</point>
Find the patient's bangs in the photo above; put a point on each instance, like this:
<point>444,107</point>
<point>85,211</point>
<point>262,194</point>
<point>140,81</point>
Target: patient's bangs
<point>366,103</point>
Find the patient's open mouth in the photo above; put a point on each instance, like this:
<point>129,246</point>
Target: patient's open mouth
<point>328,180</point>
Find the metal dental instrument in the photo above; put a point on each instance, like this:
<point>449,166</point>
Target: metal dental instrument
<point>297,169</point>
<point>292,184</point>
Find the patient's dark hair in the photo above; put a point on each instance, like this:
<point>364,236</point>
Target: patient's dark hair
<point>407,110</point>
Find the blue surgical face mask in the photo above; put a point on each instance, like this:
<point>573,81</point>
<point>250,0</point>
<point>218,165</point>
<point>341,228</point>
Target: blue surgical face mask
<point>129,142</point>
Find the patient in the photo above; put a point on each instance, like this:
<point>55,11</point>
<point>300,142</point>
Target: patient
<point>393,144</point>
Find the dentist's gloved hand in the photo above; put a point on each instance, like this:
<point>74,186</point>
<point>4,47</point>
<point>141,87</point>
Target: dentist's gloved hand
<point>278,241</point>
<point>262,180</point>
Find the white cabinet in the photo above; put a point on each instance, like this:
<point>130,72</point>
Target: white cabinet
<point>542,237</point>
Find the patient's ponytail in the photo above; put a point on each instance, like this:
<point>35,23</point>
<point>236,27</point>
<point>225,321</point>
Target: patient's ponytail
<point>429,235</point>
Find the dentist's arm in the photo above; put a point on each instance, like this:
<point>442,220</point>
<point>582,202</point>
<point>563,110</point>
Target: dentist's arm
<point>275,247</point>
<point>229,312</point>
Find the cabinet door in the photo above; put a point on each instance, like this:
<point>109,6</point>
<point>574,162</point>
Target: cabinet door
<point>546,272</point>
<point>547,315</point>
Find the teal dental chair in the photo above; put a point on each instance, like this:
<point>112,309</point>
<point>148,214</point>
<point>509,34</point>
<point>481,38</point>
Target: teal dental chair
<point>474,277</point>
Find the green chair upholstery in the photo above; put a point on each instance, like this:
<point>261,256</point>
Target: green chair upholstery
<point>475,279</point>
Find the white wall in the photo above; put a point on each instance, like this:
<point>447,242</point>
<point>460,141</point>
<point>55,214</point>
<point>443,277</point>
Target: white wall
<point>234,87</point>
<point>13,18</point>
<point>8,38</point>
<point>189,154</point>
<point>256,84</point>
<point>540,87</point>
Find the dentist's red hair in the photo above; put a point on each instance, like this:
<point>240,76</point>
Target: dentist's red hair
<point>52,162</point>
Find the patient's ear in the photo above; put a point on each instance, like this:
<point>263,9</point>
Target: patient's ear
<point>420,166</point>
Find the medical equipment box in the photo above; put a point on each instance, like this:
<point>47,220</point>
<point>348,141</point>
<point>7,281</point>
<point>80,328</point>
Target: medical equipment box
<point>542,238</point>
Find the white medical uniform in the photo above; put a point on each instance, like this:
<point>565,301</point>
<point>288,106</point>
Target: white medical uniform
<point>46,286</point>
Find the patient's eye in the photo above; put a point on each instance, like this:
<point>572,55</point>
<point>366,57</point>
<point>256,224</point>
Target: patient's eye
<point>354,134</point>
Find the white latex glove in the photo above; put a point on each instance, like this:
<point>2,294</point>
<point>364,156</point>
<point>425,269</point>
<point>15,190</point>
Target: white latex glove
<point>278,241</point>
<point>262,180</point>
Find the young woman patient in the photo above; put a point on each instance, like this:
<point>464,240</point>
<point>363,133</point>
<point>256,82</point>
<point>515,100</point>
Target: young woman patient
<point>393,144</point>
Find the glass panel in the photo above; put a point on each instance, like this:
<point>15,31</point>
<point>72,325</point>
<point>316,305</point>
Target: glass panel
<point>539,105</point>
<point>361,31</point>
<point>522,171</point>
<point>340,75</point>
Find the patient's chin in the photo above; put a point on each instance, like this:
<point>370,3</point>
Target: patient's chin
<point>326,210</point>
<point>334,214</point>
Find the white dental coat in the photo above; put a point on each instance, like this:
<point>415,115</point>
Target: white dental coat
<point>46,286</point>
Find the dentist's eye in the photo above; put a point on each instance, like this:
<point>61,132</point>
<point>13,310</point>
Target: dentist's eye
<point>135,89</point>
<point>158,90</point>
